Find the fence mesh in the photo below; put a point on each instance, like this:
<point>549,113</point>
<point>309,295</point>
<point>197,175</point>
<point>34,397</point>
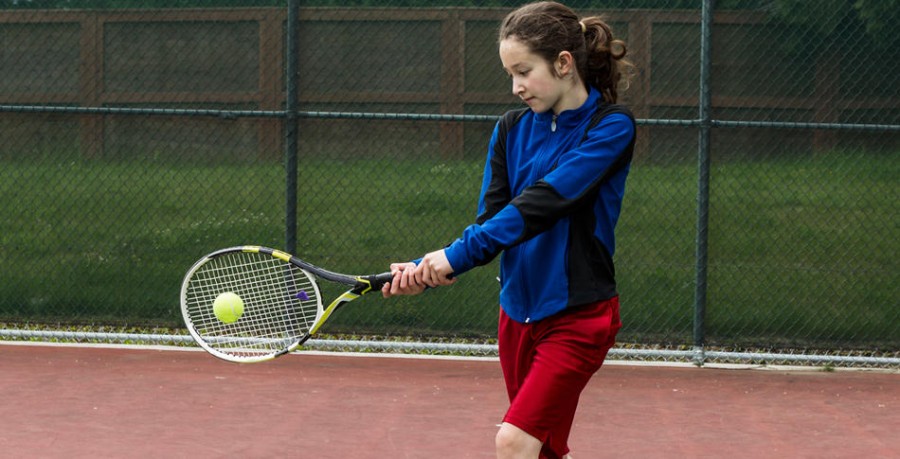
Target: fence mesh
<point>140,135</point>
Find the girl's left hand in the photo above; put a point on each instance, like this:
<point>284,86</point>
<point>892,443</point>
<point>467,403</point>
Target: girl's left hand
<point>434,270</point>
<point>404,282</point>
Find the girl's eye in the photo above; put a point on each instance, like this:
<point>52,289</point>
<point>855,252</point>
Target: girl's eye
<point>521,73</point>
<point>518,73</point>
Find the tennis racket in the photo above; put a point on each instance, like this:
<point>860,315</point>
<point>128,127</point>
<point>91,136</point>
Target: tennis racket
<point>280,301</point>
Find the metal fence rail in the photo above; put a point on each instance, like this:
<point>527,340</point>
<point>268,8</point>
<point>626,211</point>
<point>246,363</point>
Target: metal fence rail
<point>760,224</point>
<point>698,355</point>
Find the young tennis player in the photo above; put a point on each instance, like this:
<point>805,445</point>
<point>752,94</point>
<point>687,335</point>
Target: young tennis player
<point>551,195</point>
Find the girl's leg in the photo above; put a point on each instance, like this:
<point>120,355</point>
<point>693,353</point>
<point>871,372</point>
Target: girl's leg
<point>515,443</point>
<point>546,365</point>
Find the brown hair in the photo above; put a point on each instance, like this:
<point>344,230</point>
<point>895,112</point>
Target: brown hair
<point>549,28</point>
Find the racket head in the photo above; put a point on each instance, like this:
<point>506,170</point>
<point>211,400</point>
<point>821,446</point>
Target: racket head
<point>282,302</point>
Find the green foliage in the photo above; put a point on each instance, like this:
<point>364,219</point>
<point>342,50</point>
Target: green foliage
<point>880,17</point>
<point>823,20</point>
<point>847,23</point>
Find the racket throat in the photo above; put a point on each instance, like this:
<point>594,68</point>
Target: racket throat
<point>345,297</point>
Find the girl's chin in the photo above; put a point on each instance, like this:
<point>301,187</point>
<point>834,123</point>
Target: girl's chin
<point>536,106</point>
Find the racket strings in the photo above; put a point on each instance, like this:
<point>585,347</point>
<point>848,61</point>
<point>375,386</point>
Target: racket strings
<point>281,303</point>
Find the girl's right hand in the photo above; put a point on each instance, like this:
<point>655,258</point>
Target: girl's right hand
<point>434,270</point>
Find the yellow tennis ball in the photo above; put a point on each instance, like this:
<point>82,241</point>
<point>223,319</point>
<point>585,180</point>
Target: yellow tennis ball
<point>228,307</point>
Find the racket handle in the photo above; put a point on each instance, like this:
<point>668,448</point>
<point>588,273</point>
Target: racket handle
<point>378,280</point>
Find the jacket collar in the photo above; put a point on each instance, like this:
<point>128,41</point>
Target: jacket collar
<point>571,118</point>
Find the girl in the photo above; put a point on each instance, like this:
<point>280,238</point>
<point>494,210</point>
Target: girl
<point>550,198</point>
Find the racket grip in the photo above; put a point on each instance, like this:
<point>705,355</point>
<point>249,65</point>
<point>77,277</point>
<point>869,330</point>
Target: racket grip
<point>379,280</point>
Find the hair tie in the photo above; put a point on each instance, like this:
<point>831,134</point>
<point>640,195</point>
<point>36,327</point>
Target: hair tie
<point>583,27</point>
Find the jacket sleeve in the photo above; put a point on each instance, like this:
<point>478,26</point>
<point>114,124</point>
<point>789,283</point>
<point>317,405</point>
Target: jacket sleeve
<point>574,181</point>
<point>495,189</point>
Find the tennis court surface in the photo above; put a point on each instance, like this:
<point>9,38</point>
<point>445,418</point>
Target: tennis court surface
<point>74,402</point>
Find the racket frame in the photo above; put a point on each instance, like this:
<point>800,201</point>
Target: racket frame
<point>359,286</point>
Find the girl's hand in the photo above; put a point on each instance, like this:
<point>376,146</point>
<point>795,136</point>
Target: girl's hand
<point>434,270</point>
<point>404,282</point>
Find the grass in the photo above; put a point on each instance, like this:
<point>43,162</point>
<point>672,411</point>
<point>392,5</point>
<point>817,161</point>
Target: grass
<point>801,250</point>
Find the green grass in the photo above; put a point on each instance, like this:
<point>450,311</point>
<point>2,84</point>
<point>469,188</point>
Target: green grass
<point>802,251</point>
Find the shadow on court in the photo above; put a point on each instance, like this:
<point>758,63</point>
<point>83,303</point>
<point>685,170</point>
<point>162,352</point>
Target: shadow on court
<point>75,402</point>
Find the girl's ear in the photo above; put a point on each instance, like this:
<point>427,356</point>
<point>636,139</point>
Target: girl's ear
<point>564,65</point>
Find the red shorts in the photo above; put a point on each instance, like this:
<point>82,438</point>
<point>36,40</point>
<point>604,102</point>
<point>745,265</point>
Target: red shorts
<point>546,365</point>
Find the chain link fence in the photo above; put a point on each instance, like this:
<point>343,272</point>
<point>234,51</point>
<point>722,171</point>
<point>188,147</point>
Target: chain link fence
<point>760,222</point>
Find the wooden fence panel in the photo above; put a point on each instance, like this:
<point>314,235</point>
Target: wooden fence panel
<point>417,60</point>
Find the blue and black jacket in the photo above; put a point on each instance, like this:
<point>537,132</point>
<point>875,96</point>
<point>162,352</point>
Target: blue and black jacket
<point>550,199</point>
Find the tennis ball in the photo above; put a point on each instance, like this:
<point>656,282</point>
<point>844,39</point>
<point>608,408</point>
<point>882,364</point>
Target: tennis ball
<point>228,307</point>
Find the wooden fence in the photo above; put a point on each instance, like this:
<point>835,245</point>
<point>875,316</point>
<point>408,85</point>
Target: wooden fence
<point>427,60</point>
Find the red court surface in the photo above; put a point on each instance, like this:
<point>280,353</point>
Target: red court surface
<point>77,402</point>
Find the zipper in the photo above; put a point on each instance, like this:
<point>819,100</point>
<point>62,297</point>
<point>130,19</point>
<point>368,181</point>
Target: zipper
<point>538,169</point>
<point>541,159</point>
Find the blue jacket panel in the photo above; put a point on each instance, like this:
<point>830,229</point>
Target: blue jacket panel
<point>550,199</point>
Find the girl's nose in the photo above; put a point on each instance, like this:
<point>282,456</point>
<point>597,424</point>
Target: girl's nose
<point>517,88</point>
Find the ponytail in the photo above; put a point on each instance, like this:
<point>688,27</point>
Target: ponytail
<point>605,65</point>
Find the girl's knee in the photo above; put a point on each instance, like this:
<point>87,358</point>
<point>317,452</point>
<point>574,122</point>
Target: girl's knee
<point>512,441</point>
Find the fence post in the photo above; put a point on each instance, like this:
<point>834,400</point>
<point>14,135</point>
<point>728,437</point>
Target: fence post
<point>700,286</point>
<point>290,128</point>
<point>452,88</point>
<point>91,85</point>
<point>827,92</point>
<point>271,81</point>
<point>640,33</point>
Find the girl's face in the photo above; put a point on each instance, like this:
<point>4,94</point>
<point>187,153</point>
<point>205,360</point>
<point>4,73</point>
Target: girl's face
<point>533,79</point>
